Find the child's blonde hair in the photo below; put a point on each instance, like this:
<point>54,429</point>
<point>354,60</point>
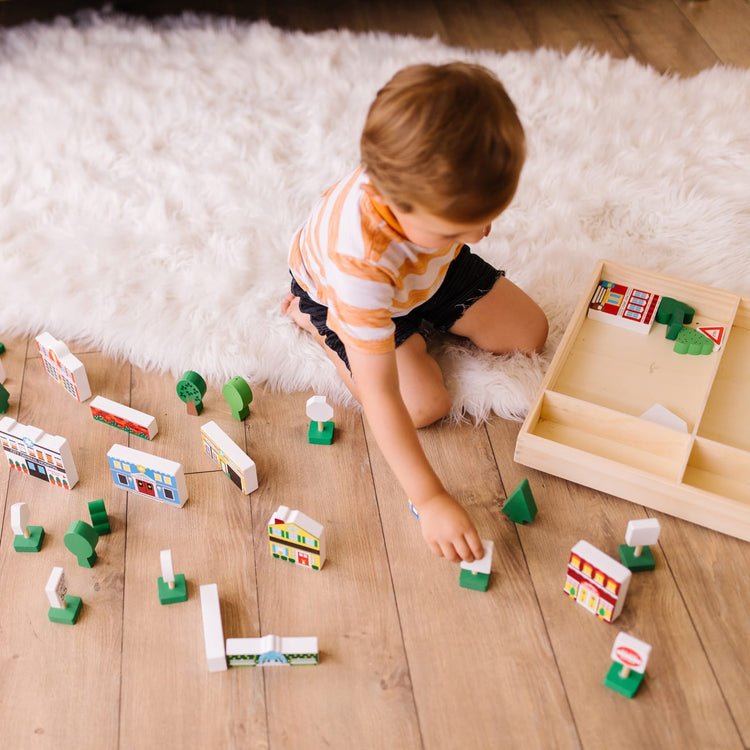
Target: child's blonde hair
<point>445,139</point>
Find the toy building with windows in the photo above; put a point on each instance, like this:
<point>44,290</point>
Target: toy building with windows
<point>596,581</point>
<point>271,650</point>
<point>234,462</point>
<point>37,454</point>
<point>151,476</point>
<point>294,537</point>
<point>63,367</point>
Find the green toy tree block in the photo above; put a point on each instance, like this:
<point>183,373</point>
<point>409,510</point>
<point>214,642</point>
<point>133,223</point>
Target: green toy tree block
<point>191,388</point>
<point>690,341</point>
<point>81,539</point>
<point>626,686</point>
<point>67,615</point>
<point>238,394</point>
<point>520,506</point>
<point>674,314</point>
<point>99,517</point>
<point>4,399</point>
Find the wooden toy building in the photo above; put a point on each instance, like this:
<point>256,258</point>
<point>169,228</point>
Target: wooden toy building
<point>596,581</point>
<point>294,537</point>
<point>588,421</point>
<point>37,454</point>
<point>151,476</point>
<point>234,462</point>
<point>63,367</point>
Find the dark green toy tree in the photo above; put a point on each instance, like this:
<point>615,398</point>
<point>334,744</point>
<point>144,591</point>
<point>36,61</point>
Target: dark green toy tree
<point>191,388</point>
<point>520,506</point>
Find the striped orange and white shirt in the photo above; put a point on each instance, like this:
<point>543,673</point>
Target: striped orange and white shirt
<point>351,255</point>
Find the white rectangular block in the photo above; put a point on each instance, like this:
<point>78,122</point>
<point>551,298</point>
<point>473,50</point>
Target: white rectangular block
<point>213,631</point>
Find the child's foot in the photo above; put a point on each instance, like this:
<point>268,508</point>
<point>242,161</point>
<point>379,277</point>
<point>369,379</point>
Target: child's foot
<point>290,307</point>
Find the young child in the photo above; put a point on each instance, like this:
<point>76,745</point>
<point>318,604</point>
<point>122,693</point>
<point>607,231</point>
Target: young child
<point>386,248</point>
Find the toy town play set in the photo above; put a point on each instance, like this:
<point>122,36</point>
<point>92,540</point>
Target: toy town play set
<point>642,400</point>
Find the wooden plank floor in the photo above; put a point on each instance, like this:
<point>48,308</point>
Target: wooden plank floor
<point>408,659</point>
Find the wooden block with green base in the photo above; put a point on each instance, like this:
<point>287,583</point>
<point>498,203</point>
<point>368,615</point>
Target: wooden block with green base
<point>476,575</point>
<point>636,554</point>
<point>27,538</point>
<point>63,608</point>
<point>629,659</point>
<point>172,588</point>
<point>321,428</point>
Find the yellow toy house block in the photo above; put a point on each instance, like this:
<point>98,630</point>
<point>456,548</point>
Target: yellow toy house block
<point>294,537</point>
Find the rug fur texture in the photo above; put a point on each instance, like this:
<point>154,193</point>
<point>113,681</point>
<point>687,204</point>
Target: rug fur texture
<point>151,178</point>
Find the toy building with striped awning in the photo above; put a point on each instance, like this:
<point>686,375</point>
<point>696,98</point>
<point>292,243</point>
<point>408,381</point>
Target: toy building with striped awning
<point>596,581</point>
<point>295,537</point>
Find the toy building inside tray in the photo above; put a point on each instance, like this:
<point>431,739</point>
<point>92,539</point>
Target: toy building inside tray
<point>586,423</point>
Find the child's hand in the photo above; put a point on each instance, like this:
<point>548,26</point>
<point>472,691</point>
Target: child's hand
<point>448,530</point>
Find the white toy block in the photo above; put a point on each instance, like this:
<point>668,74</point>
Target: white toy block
<point>167,571</point>
<point>213,631</point>
<point>63,367</point>
<point>234,462</point>
<point>148,475</point>
<point>2,373</point>
<point>642,532</point>
<point>35,453</point>
<point>124,417</point>
<point>56,588</point>
<point>19,519</point>
<point>272,650</point>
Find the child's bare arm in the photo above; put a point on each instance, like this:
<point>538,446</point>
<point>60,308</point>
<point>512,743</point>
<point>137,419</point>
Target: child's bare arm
<point>445,524</point>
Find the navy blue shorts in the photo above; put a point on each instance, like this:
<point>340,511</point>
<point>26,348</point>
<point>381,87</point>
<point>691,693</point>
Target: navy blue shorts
<point>467,280</point>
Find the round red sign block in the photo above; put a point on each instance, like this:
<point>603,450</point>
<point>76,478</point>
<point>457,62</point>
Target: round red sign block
<point>628,656</point>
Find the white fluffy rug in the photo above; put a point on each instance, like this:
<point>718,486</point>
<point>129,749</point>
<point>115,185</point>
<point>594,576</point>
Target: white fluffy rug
<point>150,180</point>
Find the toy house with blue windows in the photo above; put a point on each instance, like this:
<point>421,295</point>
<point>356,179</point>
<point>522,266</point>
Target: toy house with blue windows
<point>154,477</point>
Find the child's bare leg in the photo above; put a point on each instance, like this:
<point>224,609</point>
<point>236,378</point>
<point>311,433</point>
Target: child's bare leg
<point>420,379</point>
<point>505,320</point>
<point>290,306</point>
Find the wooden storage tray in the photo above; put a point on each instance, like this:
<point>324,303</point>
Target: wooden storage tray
<point>585,424</point>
